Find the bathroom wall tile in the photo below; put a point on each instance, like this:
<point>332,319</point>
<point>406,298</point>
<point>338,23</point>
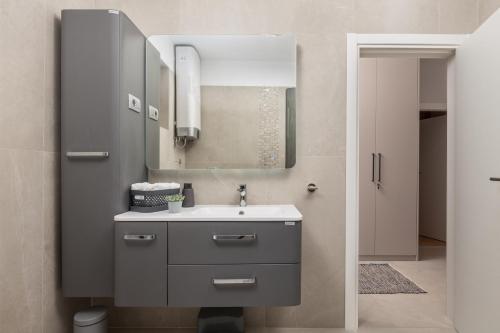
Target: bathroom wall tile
<point>259,16</point>
<point>396,16</point>
<point>58,311</point>
<point>264,16</point>
<point>22,73</point>
<point>486,8</point>
<point>148,317</point>
<point>322,239</point>
<point>152,17</point>
<point>321,91</point>
<point>141,317</point>
<point>458,16</point>
<point>294,330</point>
<point>151,330</point>
<point>188,317</point>
<point>219,186</point>
<point>219,17</point>
<point>21,242</point>
<point>255,317</point>
<point>325,17</point>
<point>281,316</point>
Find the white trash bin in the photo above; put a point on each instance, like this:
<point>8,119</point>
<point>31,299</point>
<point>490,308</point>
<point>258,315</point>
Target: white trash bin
<point>93,320</point>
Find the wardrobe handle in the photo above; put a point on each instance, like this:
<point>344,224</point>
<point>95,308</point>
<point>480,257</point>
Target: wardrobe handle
<point>379,167</point>
<point>373,167</point>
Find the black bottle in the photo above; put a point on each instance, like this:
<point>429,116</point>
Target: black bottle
<point>188,193</point>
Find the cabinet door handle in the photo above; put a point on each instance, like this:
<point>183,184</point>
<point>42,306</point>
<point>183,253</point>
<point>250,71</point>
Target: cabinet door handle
<point>373,167</point>
<point>139,237</point>
<point>217,238</point>
<point>87,154</point>
<point>495,179</point>
<point>234,282</point>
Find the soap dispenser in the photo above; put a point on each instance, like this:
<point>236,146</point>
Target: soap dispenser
<point>188,193</point>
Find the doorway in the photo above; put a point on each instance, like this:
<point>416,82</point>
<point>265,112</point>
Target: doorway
<point>402,191</point>
<point>422,46</point>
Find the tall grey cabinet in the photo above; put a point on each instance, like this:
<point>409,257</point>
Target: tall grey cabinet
<point>102,141</point>
<point>388,157</point>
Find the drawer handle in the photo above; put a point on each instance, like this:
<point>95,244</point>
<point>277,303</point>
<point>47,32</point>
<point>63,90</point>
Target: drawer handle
<point>235,282</point>
<point>139,237</point>
<point>234,237</point>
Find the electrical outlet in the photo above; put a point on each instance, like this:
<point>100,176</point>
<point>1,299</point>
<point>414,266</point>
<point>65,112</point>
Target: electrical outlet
<point>153,113</point>
<point>134,103</point>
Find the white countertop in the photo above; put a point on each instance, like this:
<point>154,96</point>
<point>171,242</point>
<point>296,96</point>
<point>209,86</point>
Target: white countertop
<point>219,213</point>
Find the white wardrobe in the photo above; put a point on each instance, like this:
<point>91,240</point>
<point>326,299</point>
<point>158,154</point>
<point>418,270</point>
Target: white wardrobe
<point>388,152</point>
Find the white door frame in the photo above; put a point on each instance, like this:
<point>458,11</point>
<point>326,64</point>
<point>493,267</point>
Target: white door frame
<point>418,44</point>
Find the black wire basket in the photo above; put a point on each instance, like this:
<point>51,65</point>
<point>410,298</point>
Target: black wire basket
<point>150,201</point>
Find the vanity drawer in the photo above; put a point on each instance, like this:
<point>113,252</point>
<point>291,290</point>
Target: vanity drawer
<point>140,264</point>
<point>234,285</point>
<point>234,242</point>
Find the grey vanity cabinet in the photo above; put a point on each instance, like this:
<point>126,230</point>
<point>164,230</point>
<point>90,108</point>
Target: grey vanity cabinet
<point>234,263</point>
<point>207,264</point>
<point>140,264</point>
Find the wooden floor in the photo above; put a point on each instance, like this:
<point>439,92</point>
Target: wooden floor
<point>426,241</point>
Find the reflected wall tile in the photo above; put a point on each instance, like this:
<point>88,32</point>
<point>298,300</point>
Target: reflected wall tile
<point>396,16</point>
<point>21,242</point>
<point>486,8</point>
<point>22,73</point>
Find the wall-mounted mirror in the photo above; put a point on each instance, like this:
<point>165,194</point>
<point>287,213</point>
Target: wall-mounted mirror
<point>220,101</point>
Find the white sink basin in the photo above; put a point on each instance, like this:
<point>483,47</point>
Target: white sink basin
<point>220,213</point>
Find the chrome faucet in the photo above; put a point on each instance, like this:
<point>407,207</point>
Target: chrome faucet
<point>243,195</point>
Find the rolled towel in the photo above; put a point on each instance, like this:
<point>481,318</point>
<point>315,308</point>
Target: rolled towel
<point>154,187</point>
<point>140,186</point>
<point>166,186</point>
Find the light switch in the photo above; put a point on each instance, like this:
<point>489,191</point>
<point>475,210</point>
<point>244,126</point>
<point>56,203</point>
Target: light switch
<point>153,113</point>
<point>134,103</point>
